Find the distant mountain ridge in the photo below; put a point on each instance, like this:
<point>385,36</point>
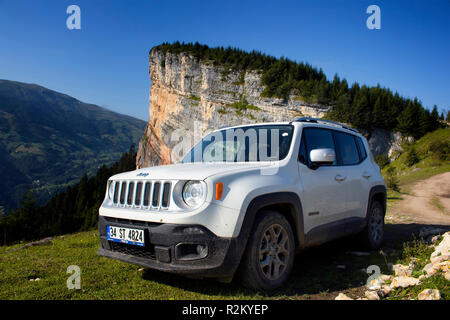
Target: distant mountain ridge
<point>49,139</point>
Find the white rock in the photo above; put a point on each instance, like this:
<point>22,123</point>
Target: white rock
<point>341,266</point>
<point>443,248</point>
<point>442,266</point>
<point>385,290</point>
<point>386,277</point>
<point>429,294</point>
<point>375,284</point>
<point>447,275</point>
<point>440,258</point>
<point>404,282</point>
<point>434,239</point>
<point>402,270</point>
<point>342,296</point>
<point>430,269</point>
<point>372,295</point>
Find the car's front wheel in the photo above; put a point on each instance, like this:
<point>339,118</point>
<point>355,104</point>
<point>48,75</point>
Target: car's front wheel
<point>269,256</point>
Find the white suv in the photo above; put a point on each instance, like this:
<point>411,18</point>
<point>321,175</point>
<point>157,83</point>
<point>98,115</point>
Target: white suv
<point>244,200</point>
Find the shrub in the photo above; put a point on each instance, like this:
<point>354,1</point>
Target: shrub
<point>440,150</point>
<point>412,157</point>
<point>392,180</point>
<point>382,160</point>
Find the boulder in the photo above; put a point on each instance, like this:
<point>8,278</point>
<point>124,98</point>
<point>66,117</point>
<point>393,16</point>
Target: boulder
<point>404,282</point>
<point>443,248</point>
<point>429,294</point>
<point>402,270</point>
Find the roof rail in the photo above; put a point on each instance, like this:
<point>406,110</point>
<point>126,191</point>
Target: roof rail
<point>317,120</point>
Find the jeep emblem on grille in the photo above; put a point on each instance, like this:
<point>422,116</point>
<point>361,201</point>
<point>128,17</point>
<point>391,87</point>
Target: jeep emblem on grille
<point>142,174</point>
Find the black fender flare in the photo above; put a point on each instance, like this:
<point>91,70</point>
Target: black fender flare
<point>272,199</point>
<point>376,191</point>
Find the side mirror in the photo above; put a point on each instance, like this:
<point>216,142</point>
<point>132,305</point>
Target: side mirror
<point>321,157</point>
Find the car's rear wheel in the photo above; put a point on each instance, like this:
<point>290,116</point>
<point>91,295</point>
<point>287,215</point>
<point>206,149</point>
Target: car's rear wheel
<point>269,256</point>
<point>373,234</point>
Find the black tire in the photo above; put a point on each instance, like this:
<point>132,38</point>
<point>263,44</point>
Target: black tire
<point>372,236</point>
<point>268,260</point>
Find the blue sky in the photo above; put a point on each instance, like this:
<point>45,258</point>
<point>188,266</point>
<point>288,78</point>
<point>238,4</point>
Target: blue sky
<point>106,62</point>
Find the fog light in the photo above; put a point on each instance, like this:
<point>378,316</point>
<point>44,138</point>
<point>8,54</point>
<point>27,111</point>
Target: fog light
<point>191,251</point>
<point>202,250</point>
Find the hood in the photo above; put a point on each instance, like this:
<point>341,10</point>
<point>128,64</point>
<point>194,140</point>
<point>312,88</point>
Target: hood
<point>187,171</point>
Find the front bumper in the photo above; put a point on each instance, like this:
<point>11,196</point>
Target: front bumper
<point>171,248</point>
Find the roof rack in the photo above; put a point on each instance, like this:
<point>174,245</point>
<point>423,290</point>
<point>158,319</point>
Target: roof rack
<point>317,120</point>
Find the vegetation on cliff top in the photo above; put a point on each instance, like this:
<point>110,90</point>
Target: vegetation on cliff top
<point>362,106</point>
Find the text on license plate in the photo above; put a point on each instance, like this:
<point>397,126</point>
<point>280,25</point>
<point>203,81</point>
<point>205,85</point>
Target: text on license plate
<point>126,235</point>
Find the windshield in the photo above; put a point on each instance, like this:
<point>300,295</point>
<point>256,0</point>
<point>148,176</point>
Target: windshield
<point>243,144</point>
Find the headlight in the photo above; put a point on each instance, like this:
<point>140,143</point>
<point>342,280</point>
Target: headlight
<point>110,189</point>
<point>194,193</point>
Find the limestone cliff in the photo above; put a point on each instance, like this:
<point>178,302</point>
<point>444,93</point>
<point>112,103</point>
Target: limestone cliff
<point>187,94</point>
<point>190,97</point>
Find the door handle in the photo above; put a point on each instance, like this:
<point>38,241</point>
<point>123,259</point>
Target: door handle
<point>339,178</point>
<point>366,175</point>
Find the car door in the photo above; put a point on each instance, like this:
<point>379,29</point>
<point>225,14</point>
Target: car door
<point>354,171</point>
<point>323,197</point>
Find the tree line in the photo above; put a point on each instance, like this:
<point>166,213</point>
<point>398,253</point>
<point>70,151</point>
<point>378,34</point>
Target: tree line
<point>361,106</point>
<point>73,210</point>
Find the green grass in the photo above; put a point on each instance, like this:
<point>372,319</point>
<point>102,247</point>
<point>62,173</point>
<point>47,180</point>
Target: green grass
<point>315,274</point>
<point>101,278</point>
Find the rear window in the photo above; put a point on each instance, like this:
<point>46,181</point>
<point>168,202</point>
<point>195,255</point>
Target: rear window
<point>362,149</point>
<point>347,148</point>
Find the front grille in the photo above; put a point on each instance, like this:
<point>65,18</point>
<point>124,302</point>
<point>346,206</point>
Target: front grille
<point>150,195</point>
<point>148,253</point>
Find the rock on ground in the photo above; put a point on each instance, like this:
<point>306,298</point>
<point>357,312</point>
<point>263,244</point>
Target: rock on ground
<point>372,295</point>
<point>429,294</point>
<point>402,270</point>
<point>404,282</point>
<point>342,296</point>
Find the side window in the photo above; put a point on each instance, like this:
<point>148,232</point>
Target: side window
<point>362,149</point>
<point>316,138</point>
<point>347,148</point>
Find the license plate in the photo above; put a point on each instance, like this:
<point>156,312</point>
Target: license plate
<point>126,235</point>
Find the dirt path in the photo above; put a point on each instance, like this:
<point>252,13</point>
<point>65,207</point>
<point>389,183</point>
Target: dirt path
<point>427,203</point>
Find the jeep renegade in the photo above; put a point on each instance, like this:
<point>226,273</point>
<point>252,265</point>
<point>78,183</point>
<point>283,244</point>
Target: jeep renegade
<point>244,200</point>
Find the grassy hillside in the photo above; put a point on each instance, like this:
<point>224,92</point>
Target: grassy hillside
<point>49,139</point>
<point>428,156</point>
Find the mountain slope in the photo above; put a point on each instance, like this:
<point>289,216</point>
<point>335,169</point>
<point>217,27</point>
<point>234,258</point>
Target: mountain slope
<point>49,139</point>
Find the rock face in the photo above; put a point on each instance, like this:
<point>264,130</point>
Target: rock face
<point>189,98</point>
